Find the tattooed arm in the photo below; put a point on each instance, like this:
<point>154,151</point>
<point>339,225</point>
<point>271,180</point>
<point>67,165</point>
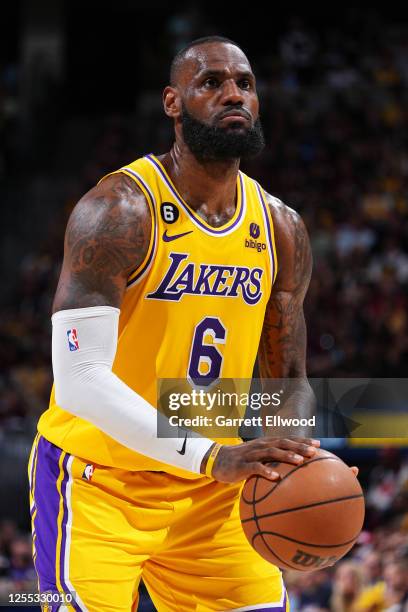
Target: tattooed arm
<point>107,237</point>
<point>282,350</point>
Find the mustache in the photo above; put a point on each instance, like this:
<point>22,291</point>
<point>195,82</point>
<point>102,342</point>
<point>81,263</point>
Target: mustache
<point>232,110</point>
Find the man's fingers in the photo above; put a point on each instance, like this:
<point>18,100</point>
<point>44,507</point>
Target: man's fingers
<point>259,469</point>
<point>301,448</point>
<point>256,468</point>
<point>275,454</point>
<point>308,441</point>
<point>266,444</point>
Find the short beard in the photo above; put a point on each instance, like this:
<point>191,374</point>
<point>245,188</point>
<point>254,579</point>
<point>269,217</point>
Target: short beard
<point>211,143</point>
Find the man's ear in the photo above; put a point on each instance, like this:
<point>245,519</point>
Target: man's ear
<point>171,102</point>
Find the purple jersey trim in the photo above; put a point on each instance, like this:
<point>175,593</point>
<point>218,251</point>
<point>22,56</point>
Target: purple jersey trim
<point>153,205</point>
<point>268,228</point>
<point>209,230</point>
<point>277,607</point>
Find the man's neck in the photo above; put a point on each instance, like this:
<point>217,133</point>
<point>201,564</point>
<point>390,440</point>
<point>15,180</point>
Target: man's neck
<point>208,187</point>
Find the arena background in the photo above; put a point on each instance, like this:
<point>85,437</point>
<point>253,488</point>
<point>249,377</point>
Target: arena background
<point>80,86</point>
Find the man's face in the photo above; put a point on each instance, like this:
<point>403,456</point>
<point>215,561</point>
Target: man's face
<point>220,108</point>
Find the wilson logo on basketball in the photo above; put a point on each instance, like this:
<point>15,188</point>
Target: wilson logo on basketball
<point>307,560</point>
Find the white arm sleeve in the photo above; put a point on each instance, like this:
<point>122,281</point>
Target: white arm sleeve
<point>84,342</point>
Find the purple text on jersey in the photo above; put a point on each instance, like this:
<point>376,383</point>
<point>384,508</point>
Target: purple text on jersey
<point>211,280</point>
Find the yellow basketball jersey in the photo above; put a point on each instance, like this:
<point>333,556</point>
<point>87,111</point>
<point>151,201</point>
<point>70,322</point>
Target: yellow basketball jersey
<point>194,308</point>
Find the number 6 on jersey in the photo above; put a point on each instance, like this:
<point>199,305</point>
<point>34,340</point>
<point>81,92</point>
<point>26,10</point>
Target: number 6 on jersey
<point>205,359</point>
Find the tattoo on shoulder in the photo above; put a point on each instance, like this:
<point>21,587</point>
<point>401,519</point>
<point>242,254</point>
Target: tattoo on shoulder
<point>107,237</point>
<point>294,248</point>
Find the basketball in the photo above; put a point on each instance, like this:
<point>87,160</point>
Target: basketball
<point>308,519</point>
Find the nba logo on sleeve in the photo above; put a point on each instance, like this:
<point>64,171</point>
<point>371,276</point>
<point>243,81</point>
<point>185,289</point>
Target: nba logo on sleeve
<point>73,340</point>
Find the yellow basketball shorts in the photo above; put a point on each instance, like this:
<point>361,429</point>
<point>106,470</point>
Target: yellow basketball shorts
<point>98,530</point>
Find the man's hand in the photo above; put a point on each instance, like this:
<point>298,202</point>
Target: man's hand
<point>236,463</point>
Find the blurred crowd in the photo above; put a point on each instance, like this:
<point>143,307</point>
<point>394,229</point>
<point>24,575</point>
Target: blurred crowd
<point>17,573</point>
<point>374,579</point>
<point>336,119</point>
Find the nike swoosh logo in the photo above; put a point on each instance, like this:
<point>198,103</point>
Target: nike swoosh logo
<point>168,238</point>
<point>183,448</point>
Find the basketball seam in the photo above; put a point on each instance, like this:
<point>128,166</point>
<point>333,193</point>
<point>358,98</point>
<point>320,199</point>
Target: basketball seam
<point>260,533</point>
<point>279,535</point>
<point>321,503</point>
<point>286,476</point>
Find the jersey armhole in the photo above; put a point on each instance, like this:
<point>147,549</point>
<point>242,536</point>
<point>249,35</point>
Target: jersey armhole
<point>142,268</point>
<point>273,244</point>
<point>268,219</point>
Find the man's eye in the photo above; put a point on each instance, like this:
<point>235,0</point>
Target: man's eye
<point>245,84</point>
<point>211,82</point>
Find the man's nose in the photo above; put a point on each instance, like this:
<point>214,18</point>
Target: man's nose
<point>231,93</point>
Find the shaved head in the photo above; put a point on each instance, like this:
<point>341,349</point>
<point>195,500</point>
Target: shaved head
<point>185,53</point>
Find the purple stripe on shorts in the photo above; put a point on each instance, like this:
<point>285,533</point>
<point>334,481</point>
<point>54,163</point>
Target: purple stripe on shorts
<point>31,479</point>
<point>64,530</point>
<point>280,609</point>
<point>269,607</point>
<point>64,520</point>
<point>47,502</point>
<point>195,219</point>
<point>32,467</point>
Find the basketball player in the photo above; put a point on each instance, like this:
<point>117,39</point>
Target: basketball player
<point>163,278</point>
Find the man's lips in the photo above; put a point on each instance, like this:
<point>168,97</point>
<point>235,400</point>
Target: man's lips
<point>235,115</point>
<point>234,119</point>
